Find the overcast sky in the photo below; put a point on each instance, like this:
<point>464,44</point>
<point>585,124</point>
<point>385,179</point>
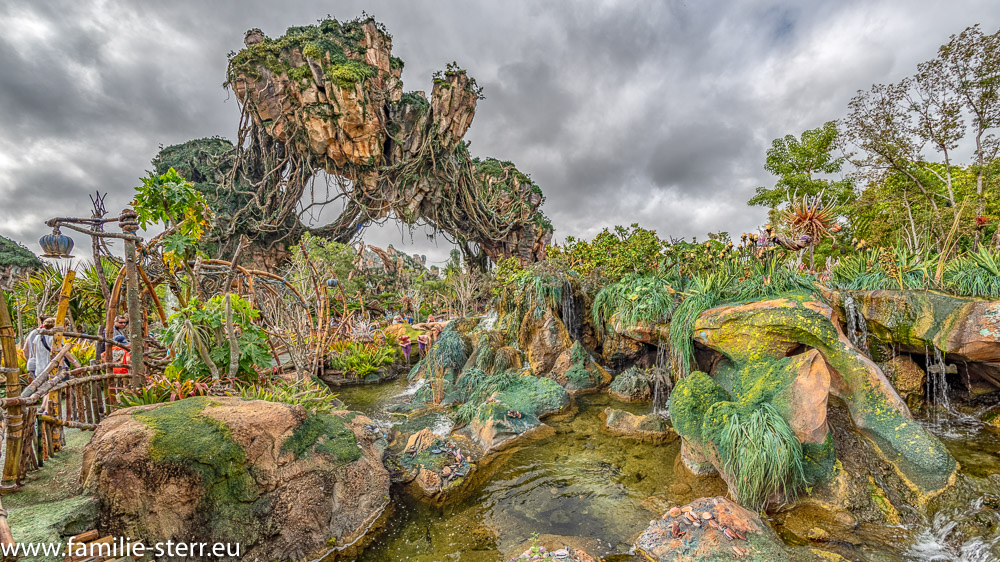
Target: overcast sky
<point>652,112</point>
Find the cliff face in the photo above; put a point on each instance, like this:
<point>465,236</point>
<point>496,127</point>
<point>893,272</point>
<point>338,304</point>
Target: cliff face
<point>329,97</point>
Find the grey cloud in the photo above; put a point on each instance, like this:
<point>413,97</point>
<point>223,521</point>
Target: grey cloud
<point>650,112</point>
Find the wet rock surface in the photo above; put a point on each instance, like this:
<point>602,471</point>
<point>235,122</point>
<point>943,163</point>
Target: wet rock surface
<point>709,529</point>
<point>654,428</point>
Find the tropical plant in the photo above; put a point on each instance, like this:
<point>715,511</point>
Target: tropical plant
<point>316,399</point>
<point>634,300</point>
<point>201,339</point>
<point>359,359</point>
<point>762,456</point>
<point>976,274</point>
<point>884,268</point>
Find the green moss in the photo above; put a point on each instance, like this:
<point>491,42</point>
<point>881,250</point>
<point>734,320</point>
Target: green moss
<point>185,438</point>
<point>349,73</point>
<point>690,401</point>
<point>818,460</point>
<point>324,433</point>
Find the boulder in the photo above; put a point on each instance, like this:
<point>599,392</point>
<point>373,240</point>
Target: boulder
<point>282,483</point>
<point>652,428</point>
<point>632,385</point>
<point>908,379</point>
<point>577,371</point>
<point>544,339</point>
<point>769,330</point>
<point>716,529</point>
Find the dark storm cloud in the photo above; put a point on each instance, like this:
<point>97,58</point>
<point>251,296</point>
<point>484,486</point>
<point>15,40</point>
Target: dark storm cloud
<point>651,112</point>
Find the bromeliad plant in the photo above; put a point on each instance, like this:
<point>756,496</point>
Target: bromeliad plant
<point>316,399</point>
<point>216,336</point>
<point>976,274</point>
<point>359,360</point>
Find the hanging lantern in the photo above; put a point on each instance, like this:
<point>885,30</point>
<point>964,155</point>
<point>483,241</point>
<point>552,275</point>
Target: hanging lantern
<point>56,245</point>
<point>331,283</point>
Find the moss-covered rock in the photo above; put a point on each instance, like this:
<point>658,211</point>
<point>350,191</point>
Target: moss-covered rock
<point>632,385</point>
<point>282,483</point>
<point>963,328</point>
<point>771,329</point>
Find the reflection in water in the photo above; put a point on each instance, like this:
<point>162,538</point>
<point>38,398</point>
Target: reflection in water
<point>576,483</point>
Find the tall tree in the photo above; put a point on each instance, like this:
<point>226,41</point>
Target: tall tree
<point>801,164</point>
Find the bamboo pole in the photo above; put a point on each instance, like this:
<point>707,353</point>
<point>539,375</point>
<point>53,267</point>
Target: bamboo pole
<point>15,419</point>
<point>57,340</point>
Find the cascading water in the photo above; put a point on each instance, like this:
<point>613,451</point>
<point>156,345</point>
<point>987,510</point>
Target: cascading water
<point>857,326</point>
<point>941,542</point>
<point>937,384</point>
<point>569,311</point>
<point>662,384</point>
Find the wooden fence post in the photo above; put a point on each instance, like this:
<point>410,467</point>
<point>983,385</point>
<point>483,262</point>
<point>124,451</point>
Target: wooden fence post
<point>15,420</point>
<point>128,224</point>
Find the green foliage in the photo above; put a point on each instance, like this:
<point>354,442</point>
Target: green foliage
<point>143,397</point>
<point>361,359</point>
<point>14,254</point>
<point>315,398</point>
<point>761,455</point>
<point>613,254</point>
<point>200,328</point>
<point>798,162</point>
<point>976,274</point>
<point>884,268</point>
<point>171,200</point>
<point>337,46</point>
<point>634,300</point>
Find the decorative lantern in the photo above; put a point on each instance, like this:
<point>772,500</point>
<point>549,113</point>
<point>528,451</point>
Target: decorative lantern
<point>332,283</point>
<point>56,245</point>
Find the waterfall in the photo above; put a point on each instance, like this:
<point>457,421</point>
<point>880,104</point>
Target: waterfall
<point>662,384</point>
<point>569,311</point>
<point>857,326</point>
<point>937,382</point>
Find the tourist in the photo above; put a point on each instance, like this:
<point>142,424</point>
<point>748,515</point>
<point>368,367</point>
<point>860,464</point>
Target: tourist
<point>28,347</point>
<point>41,347</point>
<point>121,323</point>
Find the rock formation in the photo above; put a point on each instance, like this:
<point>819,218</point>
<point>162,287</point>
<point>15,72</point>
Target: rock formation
<point>328,97</point>
<point>284,484</point>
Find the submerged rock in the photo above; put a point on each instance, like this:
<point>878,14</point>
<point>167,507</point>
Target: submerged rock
<point>283,483</point>
<point>632,385</point>
<point>710,529</point>
<point>652,428</point>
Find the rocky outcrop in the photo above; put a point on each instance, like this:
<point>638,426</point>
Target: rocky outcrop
<point>964,329</point>
<point>652,428</point>
<point>709,529</point>
<point>283,483</point>
<point>908,379</point>
<point>768,331</point>
<point>330,96</point>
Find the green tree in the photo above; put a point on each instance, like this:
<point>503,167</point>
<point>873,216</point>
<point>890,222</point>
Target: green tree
<point>801,164</point>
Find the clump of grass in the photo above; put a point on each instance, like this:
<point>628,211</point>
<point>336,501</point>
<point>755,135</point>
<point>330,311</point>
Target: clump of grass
<point>635,299</point>
<point>976,274</point>
<point>762,456</point>
<point>884,268</point>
